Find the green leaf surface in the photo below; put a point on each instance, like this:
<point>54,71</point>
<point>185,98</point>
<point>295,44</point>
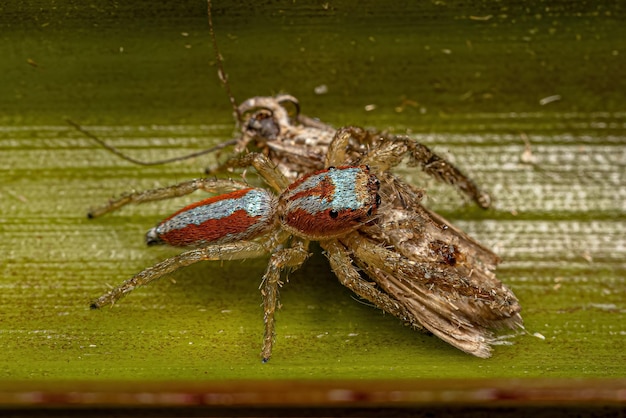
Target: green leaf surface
<point>528,99</point>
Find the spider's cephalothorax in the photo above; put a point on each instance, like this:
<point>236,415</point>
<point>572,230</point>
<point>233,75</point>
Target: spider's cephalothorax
<point>330,203</point>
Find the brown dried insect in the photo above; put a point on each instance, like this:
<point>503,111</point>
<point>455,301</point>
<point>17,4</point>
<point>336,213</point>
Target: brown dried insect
<point>416,265</point>
<point>433,275</point>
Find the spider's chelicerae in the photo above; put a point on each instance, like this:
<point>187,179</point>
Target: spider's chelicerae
<point>417,267</point>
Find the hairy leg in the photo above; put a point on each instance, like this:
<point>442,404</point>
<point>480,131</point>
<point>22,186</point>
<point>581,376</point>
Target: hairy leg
<point>266,169</point>
<point>169,192</point>
<point>389,151</point>
<point>286,258</point>
<point>342,266</point>
<point>229,251</point>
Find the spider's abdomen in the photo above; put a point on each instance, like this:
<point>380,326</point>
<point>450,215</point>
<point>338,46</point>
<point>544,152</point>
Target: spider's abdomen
<point>329,203</point>
<point>238,215</point>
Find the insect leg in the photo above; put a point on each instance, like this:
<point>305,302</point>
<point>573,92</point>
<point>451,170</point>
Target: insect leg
<point>176,190</point>
<point>289,257</point>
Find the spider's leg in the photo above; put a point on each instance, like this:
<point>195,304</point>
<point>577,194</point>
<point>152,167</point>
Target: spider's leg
<point>445,171</point>
<point>342,266</point>
<point>458,305</point>
<point>392,150</point>
<point>389,151</point>
<point>169,192</point>
<point>266,169</point>
<point>229,251</point>
<point>286,258</point>
<point>337,150</point>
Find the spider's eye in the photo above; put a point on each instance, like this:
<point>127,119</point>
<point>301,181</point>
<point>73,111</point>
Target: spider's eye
<point>370,211</point>
<point>378,201</point>
<point>333,213</point>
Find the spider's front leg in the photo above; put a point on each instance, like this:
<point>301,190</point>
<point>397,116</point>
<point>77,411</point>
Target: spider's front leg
<point>169,192</point>
<point>391,150</point>
<point>338,149</point>
<point>348,275</point>
<point>285,258</point>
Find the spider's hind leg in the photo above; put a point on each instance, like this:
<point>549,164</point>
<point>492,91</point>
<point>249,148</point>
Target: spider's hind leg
<point>228,251</point>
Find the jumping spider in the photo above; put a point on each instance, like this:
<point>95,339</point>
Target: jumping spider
<point>439,286</point>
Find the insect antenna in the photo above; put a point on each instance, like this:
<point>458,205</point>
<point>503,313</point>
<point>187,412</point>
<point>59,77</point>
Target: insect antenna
<point>224,81</point>
<point>219,60</point>
<point>126,157</point>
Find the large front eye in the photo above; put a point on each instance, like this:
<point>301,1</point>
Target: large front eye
<point>333,213</point>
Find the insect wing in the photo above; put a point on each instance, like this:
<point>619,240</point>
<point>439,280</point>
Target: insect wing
<point>443,277</point>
